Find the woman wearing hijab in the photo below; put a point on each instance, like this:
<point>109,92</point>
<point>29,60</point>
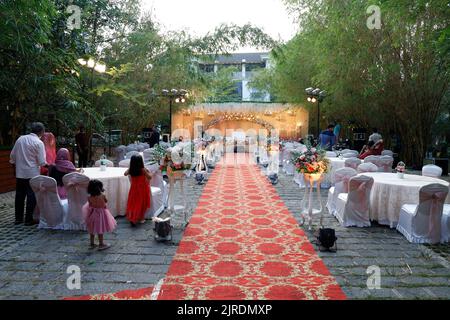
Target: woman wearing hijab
<point>62,166</point>
<point>50,150</point>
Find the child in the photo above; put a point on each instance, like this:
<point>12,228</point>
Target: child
<point>97,216</point>
<point>139,195</point>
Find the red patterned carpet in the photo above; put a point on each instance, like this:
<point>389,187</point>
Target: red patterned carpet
<point>242,243</point>
<point>140,294</point>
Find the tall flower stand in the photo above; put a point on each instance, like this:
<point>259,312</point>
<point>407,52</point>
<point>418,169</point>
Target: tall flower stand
<point>174,177</point>
<point>312,200</point>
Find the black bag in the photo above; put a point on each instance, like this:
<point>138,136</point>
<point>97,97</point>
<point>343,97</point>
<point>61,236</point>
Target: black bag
<point>163,231</point>
<point>327,239</point>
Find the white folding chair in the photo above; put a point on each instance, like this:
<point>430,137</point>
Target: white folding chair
<point>108,163</point>
<point>342,177</point>
<point>352,208</point>
<point>387,153</point>
<point>52,209</point>
<point>386,163</point>
<point>352,163</point>
<point>422,223</point>
<point>124,163</point>
<point>431,170</point>
<point>76,185</point>
<point>367,167</point>
<point>331,154</point>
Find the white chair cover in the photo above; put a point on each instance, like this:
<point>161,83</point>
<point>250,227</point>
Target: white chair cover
<point>124,163</point>
<point>120,153</point>
<point>158,182</point>
<point>445,224</point>
<point>288,165</point>
<point>345,151</point>
<point>130,154</point>
<point>76,185</point>
<point>342,177</point>
<point>376,160</point>
<point>422,223</point>
<point>108,163</point>
<point>331,154</point>
<point>431,170</point>
<point>352,163</point>
<point>148,154</point>
<point>387,153</point>
<point>131,147</point>
<point>354,152</point>
<point>157,203</point>
<point>386,163</point>
<point>352,208</point>
<point>52,209</point>
<point>349,155</point>
<point>367,167</point>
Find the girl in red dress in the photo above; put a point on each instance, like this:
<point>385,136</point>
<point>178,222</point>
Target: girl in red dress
<point>139,195</point>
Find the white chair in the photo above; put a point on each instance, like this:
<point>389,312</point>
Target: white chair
<point>352,163</point>
<point>354,152</point>
<point>52,209</point>
<point>345,151</point>
<point>158,182</point>
<point>76,185</point>
<point>157,203</point>
<point>387,153</point>
<point>445,224</point>
<point>376,160</point>
<point>109,163</point>
<point>431,170</point>
<point>386,163</point>
<point>120,153</point>
<point>148,154</point>
<point>367,167</point>
<point>349,155</point>
<point>124,163</point>
<point>131,153</point>
<point>131,147</point>
<point>331,154</point>
<point>352,208</point>
<point>342,177</point>
<point>422,223</point>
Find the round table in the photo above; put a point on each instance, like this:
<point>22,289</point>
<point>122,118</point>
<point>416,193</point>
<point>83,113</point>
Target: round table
<point>335,164</point>
<point>116,187</point>
<point>389,193</point>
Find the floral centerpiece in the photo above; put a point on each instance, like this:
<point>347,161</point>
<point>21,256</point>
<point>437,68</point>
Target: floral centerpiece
<point>176,159</point>
<point>401,168</point>
<point>311,162</point>
<point>157,154</point>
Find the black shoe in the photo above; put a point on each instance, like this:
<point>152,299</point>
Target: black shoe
<point>17,222</point>
<point>133,224</point>
<point>31,223</point>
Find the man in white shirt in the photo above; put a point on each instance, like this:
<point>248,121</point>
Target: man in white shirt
<point>27,156</point>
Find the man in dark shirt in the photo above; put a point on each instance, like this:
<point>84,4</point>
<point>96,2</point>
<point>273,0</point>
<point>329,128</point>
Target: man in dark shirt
<point>327,139</point>
<point>82,142</point>
<point>154,137</point>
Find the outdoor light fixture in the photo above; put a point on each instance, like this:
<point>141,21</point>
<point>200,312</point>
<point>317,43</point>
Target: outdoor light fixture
<point>174,95</point>
<point>316,95</point>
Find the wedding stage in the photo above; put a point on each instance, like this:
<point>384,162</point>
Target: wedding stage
<point>242,243</point>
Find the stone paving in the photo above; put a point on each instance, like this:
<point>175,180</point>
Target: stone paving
<point>33,262</point>
<point>408,271</point>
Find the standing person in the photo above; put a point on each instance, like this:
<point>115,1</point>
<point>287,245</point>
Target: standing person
<point>375,136</point>
<point>139,194</point>
<point>337,131</point>
<point>154,138</point>
<point>97,216</point>
<point>49,141</point>
<point>82,142</point>
<point>327,139</point>
<point>28,155</point>
<point>62,166</point>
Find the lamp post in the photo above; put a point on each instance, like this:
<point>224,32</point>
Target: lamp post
<point>100,68</point>
<point>316,95</point>
<point>177,96</point>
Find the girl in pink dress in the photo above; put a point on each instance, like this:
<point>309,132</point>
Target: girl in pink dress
<point>97,216</point>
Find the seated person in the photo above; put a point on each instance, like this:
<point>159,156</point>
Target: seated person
<point>62,166</point>
<point>372,149</point>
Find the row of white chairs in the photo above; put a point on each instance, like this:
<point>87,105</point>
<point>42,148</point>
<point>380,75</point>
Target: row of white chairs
<point>58,214</point>
<point>427,222</point>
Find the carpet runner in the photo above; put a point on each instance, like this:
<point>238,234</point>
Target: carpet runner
<point>242,243</point>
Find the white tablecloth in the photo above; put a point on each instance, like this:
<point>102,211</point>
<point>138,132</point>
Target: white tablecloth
<point>116,187</point>
<point>389,193</point>
<point>335,164</point>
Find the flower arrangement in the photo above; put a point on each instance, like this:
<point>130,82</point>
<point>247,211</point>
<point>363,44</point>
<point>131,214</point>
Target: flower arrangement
<point>401,167</point>
<point>157,154</point>
<point>174,160</point>
<point>311,161</point>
